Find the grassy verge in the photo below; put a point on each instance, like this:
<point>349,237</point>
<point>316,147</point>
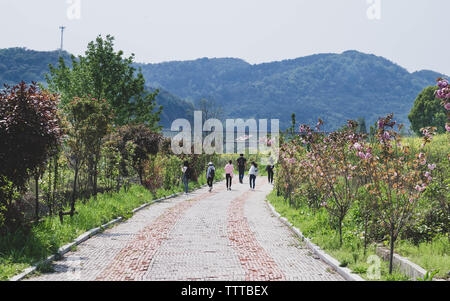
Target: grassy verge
<point>434,255</point>
<point>317,227</point>
<point>24,248</point>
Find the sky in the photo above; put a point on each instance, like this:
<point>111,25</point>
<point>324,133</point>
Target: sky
<point>411,33</point>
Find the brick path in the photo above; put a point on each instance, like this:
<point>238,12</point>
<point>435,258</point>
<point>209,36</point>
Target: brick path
<point>224,235</point>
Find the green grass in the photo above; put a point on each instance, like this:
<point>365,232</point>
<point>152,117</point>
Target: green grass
<point>316,226</point>
<point>24,248</point>
<point>434,255</point>
<point>437,150</point>
<point>21,249</point>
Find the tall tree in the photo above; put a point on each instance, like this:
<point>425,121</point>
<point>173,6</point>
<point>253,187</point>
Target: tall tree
<point>30,131</point>
<point>428,111</point>
<point>89,123</point>
<point>103,73</point>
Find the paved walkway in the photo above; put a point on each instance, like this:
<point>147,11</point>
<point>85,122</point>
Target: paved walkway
<point>224,235</point>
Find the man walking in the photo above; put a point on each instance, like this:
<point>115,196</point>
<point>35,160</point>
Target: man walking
<point>210,173</point>
<point>241,166</point>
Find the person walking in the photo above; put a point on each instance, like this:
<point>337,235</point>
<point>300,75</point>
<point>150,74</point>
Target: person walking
<point>229,168</point>
<point>253,173</point>
<point>210,173</point>
<point>242,162</point>
<point>269,169</point>
<point>185,170</point>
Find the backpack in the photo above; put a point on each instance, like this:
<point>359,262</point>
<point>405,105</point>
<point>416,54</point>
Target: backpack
<point>188,173</point>
<point>212,173</point>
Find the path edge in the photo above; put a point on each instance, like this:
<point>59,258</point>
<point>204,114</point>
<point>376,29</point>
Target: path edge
<point>333,262</point>
<point>85,236</point>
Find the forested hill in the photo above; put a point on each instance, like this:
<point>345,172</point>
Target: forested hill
<point>17,64</point>
<point>20,64</point>
<point>335,87</point>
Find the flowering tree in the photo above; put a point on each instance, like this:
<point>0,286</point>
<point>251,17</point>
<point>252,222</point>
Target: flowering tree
<point>444,94</point>
<point>331,162</point>
<point>396,181</point>
<point>290,171</point>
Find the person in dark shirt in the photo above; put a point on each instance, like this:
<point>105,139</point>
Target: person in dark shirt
<point>241,163</point>
<point>269,169</point>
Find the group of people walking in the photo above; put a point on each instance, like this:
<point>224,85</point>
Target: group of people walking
<point>229,173</point>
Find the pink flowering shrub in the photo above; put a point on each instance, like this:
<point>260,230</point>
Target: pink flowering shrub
<point>331,166</point>
<point>444,94</point>
<point>382,176</point>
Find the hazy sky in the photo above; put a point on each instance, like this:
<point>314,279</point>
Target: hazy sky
<point>412,33</point>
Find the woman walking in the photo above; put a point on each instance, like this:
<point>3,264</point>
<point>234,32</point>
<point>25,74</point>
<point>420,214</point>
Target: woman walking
<point>185,170</point>
<point>229,168</point>
<point>253,173</point>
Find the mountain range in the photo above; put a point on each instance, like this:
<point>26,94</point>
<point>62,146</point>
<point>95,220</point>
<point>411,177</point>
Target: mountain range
<point>334,87</point>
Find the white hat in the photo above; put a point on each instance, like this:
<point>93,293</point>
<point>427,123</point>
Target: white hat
<point>210,163</point>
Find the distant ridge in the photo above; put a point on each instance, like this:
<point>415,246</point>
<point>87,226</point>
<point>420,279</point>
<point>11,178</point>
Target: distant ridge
<point>335,87</point>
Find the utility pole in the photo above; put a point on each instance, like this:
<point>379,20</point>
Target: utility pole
<point>62,37</point>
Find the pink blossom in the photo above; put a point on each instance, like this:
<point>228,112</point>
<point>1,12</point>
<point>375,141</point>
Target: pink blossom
<point>447,106</point>
<point>431,166</point>
<point>428,176</point>
<point>361,155</point>
<point>357,146</point>
<point>420,188</point>
<point>443,83</point>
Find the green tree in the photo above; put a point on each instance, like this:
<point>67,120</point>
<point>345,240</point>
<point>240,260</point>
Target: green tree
<point>103,73</point>
<point>89,123</point>
<point>427,111</point>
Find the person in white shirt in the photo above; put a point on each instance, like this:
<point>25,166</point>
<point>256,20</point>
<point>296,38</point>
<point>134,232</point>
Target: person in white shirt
<point>253,173</point>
